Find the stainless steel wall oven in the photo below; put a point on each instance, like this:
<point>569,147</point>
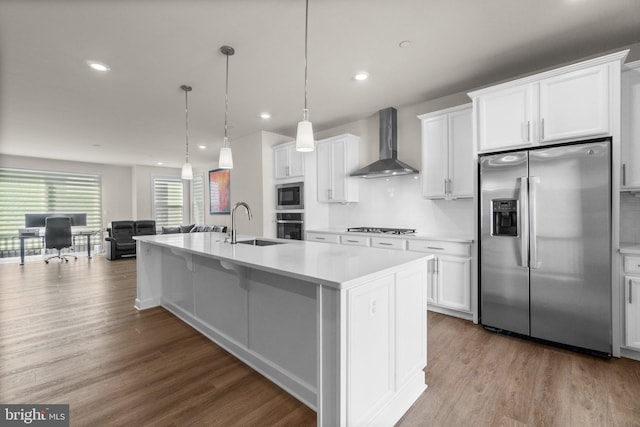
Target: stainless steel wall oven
<point>290,225</point>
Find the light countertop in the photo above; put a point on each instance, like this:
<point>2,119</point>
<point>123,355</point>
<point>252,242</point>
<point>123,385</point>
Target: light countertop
<point>630,248</point>
<point>338,266</point>
<point>451,237</point>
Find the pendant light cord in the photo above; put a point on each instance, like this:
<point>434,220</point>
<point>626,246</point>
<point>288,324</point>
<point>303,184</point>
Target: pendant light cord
<point>226,103</point>
<point>186,113</point>
<point>306,31</point>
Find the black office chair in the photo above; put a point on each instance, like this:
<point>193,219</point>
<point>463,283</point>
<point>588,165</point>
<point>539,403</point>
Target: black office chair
<point>57,235</point>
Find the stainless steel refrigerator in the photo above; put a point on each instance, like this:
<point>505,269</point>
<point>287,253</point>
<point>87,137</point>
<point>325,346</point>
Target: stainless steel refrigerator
<point>545,243</point>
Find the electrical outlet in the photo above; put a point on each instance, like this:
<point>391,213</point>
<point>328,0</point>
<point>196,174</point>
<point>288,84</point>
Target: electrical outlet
<point>373,306</point>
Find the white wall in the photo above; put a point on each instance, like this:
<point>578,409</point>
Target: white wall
<point>251,183</point>
<point>116,181</point>
<point>142,190</point>
<point>397,201</point>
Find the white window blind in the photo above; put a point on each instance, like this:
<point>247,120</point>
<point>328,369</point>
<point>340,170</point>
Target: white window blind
<point>168,201</point>
<point>34,191</point>
<point>197,199</point>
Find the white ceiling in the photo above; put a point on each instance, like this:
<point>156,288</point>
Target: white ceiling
<point>52,105</point>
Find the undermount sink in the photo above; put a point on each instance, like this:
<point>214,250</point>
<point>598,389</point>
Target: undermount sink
<point>259,242</point>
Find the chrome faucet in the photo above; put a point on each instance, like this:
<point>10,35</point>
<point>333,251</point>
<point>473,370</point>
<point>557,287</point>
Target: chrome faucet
<point>233,219</point>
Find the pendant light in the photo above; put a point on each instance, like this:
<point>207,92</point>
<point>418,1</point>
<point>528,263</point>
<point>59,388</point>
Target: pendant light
<point>187,170</point>
<point>226,159</point>
<point>304,136</point>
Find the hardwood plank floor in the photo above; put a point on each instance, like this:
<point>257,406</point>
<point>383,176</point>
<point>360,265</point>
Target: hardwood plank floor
<point>69,334</point>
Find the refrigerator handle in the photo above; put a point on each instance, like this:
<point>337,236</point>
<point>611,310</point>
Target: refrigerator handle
<point>533,232</point>
<point>524,221</point>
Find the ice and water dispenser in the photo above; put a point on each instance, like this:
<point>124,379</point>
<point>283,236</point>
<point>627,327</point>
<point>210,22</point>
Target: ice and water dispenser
<point>505,217</point>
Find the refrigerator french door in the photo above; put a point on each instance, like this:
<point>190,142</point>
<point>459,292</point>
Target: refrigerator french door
<point>545,243</point>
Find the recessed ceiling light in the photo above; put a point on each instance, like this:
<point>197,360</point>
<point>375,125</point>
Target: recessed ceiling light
<point>362,75</point>
<point>265,115</point>
<point>98,66</point>
<point>202,146</point>
<point>159,163</point>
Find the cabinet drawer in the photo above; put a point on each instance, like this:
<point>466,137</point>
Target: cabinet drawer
<point>355,240</point>
<point>381,242</point>
<point>323,237</point>
<point>440,247</point>
<point>632,264</point>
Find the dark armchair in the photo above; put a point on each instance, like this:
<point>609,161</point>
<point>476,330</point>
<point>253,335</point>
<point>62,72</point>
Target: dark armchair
<point>120,241</point>
<point>57,235</point>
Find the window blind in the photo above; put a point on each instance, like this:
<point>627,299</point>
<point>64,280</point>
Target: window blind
<point>168,201</point>
<point>35,191</point>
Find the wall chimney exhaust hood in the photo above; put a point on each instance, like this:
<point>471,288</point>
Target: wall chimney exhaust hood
<point>388,165</point>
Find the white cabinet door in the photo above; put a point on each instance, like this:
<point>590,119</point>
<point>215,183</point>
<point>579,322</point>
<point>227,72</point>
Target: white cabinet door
<point>323,157</point>
<point>338,179</point>
<point>434,156</point>
<point>447,153</point>
<point>632,311</point>
<point>287,162</point>
<point>432,281</point>
<point>336,158</point>
<point>460,154</point>
<point>454,282</point>
<point>575,104</point>
<point>280,162</point>
<point>630,130</point>
<point>505,118</point>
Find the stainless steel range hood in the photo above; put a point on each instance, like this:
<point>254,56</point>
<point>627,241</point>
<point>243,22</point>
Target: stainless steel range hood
<point>388,165</point>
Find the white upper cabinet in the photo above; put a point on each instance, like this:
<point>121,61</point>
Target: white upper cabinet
<point>336,158</point>
<point>505,117</point>
<point>630,131</point>
<point>575,104</point>
<point>565,104</point>
<point>447,153</point>
<point>287,162</point>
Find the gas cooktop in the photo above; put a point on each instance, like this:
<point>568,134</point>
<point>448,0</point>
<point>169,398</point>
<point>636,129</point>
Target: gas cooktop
<point>382,230</point>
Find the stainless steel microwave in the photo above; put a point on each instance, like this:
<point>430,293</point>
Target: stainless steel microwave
<point>290,196</point>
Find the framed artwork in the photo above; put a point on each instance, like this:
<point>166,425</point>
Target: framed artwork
<point>219,191</point>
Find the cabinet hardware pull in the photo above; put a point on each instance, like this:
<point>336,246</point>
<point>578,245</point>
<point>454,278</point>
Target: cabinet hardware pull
<point>630,293</point>
<point>352,241</point>
<point>385,244</point>
<point>542,130</point>
<point>528,131</point>
<point>436,248</point>
<point>624,174</point>
<point>445,185</point>
<point>319,238</point>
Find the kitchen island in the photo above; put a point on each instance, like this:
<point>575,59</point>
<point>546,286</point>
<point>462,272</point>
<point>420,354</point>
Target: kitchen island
<point>341,328</point>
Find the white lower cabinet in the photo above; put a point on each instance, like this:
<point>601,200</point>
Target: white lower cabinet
<point>632,311</point>
<point>355,240</point>
<point>449,275</point>
<point>632,301</point>
<point>322,237</point>
<point>388,243</point>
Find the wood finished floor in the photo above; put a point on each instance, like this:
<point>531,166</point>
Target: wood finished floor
<point>69,334</point>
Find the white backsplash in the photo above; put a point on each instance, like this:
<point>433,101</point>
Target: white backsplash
<point>630,217</point>
<point>397,202</point>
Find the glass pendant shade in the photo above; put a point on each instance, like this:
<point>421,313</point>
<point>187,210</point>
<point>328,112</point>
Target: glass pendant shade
<point>226,159</point>
<point>304,136</point>
<point>187,171</point>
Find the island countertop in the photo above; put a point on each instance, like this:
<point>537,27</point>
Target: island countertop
<point>338,266</point>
